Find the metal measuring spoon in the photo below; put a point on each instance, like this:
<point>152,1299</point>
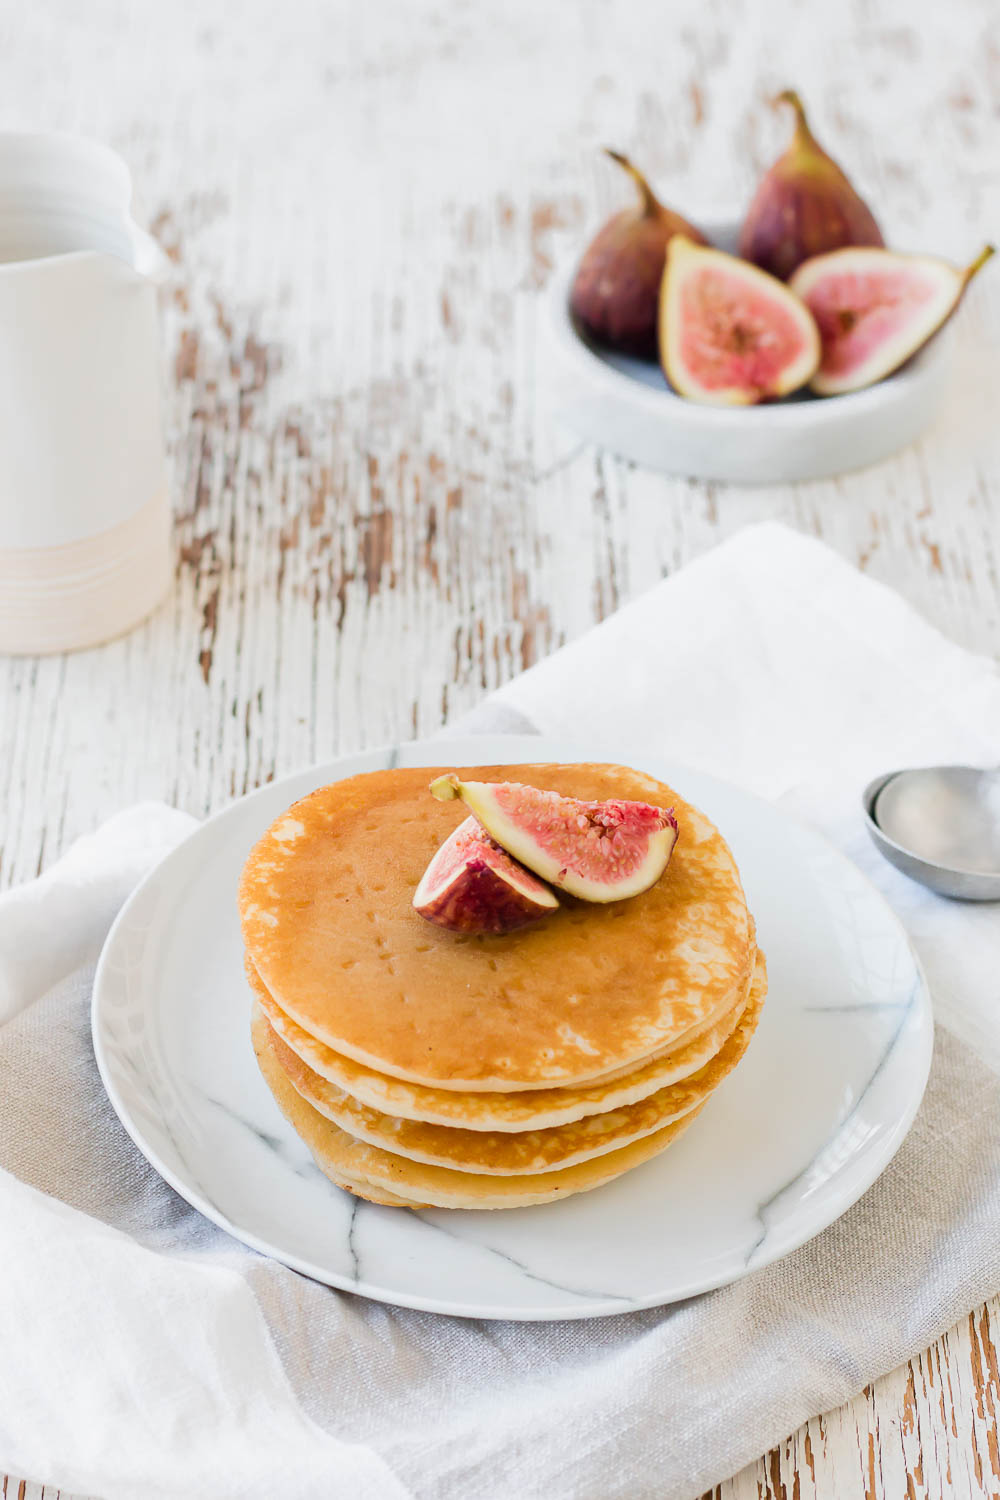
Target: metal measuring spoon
<point>941,826</point>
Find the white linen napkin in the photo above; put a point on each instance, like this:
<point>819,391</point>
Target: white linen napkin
<point>145,1354</point>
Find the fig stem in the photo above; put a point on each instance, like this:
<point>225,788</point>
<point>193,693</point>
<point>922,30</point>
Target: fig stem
<point>977,265</point>
<point>445,788</point>
<point>790,97</point>
<point>650,202</point>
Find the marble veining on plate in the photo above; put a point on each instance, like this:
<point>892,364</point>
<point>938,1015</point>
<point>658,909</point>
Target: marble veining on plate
<point>805,1124</point>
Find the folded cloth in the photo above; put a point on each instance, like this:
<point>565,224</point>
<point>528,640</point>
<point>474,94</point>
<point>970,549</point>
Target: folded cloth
<point>145,1354</point>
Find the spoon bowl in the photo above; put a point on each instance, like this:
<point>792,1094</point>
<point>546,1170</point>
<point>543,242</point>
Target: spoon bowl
<point>940,825</point>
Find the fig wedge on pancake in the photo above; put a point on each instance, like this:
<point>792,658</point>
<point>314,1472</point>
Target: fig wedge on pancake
<point>596,851</point>
<point>472,885</point>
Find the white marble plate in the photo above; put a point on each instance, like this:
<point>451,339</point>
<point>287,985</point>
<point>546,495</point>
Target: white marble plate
<point>819,1105</point>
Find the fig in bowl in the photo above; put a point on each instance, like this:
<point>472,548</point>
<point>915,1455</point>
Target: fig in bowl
<point>730,334</point>
<point>805,205</point>
<point>875,309</point>
<point>617,284</point>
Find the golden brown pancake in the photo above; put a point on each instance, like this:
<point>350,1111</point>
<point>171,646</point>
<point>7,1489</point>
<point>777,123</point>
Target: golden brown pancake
<point>325,902</point>
<point>367,1170</point>
<point>529,1151</point>
<point>524,1109</point>
<point>365,1190</point>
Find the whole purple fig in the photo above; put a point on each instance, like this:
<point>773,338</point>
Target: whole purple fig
<point>804,206</point>
<point>616,290</point>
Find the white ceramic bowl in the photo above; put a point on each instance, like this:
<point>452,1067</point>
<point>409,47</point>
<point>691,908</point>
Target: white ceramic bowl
<point>626,405</point>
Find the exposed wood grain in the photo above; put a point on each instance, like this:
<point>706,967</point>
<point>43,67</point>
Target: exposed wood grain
<point>376,524</point>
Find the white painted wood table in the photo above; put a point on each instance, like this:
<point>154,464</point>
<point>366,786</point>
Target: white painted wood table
<point>375,523</point>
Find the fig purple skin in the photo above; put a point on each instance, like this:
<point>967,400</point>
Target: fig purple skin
<point>617,286</point>
<point>805,205</point>
<point>472,885</point>
<point>596,851</point>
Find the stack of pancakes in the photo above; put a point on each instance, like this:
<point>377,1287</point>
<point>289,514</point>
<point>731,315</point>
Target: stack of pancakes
<point>424,1066</point>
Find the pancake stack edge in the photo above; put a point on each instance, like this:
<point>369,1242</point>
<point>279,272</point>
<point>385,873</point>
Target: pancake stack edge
<point>456,1142</point>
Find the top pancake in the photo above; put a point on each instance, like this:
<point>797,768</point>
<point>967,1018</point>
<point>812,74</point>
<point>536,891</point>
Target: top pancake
<point>326,905</point>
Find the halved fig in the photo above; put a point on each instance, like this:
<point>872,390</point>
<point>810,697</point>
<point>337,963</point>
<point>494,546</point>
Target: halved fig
<point>875,309</point>
<point>731,334</point>
<point>472,885</point>
<point>598,851</point>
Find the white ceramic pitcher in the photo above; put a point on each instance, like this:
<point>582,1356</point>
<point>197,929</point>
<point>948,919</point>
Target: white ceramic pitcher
<point>84,515</point>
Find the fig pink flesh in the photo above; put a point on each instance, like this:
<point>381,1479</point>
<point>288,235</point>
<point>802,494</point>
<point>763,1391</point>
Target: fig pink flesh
<point>471,842</point>
<point>860,312</point>
<point>733,334</point>
<point>597,839</point>
<point>598,851</point>
<point>472,885</point>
